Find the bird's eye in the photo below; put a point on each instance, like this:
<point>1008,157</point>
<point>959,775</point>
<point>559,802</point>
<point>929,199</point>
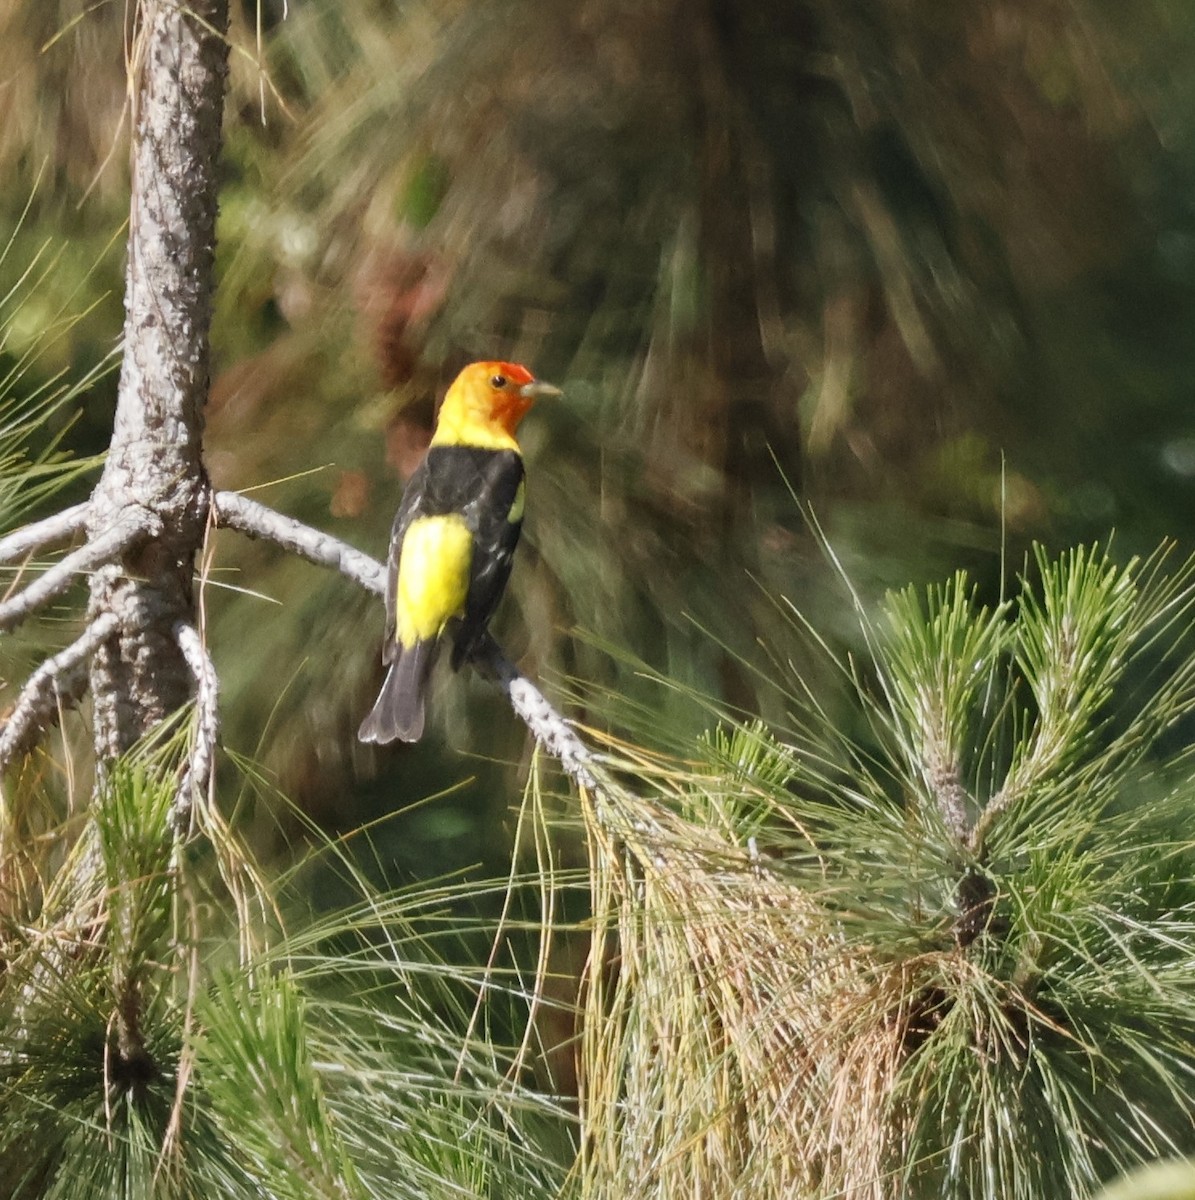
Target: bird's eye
<point>499,381</point>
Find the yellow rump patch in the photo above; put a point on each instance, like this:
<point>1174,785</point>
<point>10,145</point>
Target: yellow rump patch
<point>516,507</point>
<point>433,577</point>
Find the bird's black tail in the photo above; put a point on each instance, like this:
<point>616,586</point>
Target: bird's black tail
<point>398,713</point>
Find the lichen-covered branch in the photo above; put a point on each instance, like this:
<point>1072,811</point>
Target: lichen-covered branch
<point>197,776</point>
<point>62,675</point>
<point>47,532</point>
<point>548,727</point>
<point>100,549</point>
<point>255,520</point>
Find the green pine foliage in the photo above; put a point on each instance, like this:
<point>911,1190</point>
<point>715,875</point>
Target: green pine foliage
<point>38,398</point>
<point>184,1028</point>
<point>940,951</point>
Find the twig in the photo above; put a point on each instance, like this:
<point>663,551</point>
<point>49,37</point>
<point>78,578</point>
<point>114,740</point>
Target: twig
<point>94,553</point>
<point>57,528</point>
<point>547,726</point>
<point>257,521</point>
<point>37,703</point>
<point>197,777</point>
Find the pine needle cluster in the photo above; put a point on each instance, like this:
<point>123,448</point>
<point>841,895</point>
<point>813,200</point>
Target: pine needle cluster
<point>177,1021</point>
<point>946,953</point>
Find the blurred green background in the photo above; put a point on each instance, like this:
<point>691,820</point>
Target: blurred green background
<point>926,268</point>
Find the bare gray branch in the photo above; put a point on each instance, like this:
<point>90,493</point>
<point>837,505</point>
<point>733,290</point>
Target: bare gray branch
<point>46,532</point>
<point>197,778</point>
<point>548,727</point>
<point>258,521</point>
<point>94,553</point>
<point>59,677</point>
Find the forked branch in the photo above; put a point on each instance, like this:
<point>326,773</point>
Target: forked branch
<point>104,548</point>
<point>49,531</point>
<point>58,677</point>
<point>38,699</point>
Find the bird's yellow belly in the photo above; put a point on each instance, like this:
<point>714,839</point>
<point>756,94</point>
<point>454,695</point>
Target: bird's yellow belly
<point>433,577</point>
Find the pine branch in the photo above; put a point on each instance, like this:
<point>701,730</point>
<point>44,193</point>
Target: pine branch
<point>257,521</point>
<point>995,808</point>
<point>197,777</point>
<point>951,798</point>
<point>94,553</point>
<point>46,532</point>
<point>548,727</point>
<point>57,677</point>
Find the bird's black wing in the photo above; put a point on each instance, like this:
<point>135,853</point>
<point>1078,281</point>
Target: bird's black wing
<point>486,488</point>
<point>499,522</point>
<point>414,502</point>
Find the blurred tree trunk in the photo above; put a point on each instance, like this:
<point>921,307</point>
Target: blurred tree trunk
<point>154,477</point>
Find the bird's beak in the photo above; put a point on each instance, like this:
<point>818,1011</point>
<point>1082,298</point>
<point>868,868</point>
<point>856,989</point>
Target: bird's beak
<point>538,390</point>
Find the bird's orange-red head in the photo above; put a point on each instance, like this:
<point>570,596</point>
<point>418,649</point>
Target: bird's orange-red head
<point>485,404</point>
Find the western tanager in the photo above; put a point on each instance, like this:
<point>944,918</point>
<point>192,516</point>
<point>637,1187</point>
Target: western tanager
<point>453,538</point>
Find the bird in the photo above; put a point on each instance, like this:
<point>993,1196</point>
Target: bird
<point>453,539</point>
